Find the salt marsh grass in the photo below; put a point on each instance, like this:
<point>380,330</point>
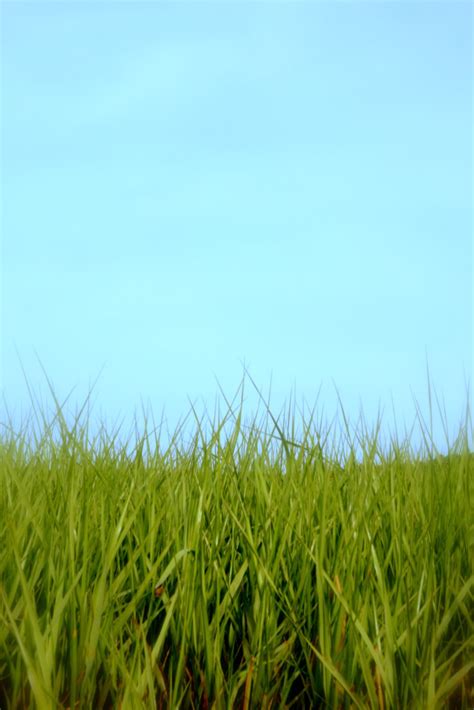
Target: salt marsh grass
<point>242,569</point>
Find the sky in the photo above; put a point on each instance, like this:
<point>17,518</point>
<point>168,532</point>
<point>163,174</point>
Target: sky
<point>191,188</point>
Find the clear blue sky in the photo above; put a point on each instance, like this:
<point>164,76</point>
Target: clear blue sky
<point>190,185</point>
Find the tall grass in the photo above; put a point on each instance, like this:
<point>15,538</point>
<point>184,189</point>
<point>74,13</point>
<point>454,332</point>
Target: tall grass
<point>243,569</point>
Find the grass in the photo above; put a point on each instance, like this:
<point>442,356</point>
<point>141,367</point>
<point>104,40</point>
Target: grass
<point>240,570</point>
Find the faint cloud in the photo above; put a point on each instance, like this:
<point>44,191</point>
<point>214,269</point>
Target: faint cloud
<point>168,76</point>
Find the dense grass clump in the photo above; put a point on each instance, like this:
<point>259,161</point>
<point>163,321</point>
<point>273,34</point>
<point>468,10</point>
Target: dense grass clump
<point>237,571</point>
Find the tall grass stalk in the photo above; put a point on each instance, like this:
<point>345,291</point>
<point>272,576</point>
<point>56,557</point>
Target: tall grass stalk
<point>244,569</point>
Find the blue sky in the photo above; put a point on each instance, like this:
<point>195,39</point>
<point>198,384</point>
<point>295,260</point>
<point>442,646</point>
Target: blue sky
<point>190,185</point>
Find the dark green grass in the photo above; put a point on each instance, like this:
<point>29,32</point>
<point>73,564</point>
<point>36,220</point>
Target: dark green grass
<point>237,571</point>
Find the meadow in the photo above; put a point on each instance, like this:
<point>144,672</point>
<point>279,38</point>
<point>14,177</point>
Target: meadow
<point>244,567</point>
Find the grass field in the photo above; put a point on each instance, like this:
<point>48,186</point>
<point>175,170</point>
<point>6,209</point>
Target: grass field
<point>241,569</point>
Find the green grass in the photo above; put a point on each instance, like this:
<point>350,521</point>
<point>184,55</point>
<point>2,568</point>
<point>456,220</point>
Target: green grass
<point>242,569</point>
